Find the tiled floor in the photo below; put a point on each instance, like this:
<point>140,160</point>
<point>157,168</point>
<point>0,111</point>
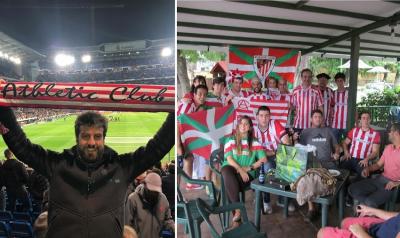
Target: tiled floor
<point>274,225</point>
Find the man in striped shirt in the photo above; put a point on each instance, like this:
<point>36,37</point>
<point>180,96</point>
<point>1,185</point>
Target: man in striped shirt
<point>236,90</point>
<point>327,97</point>
<point>198,103</point>
<point>269,133</point>
<point>305,99</point>
<point>216,98</point>
<point>376,191</point>
<point>364,145</point>
<point>257,92</point>
<point>340,98</point>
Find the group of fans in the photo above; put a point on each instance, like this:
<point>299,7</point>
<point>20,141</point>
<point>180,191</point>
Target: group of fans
<point>320,119</point>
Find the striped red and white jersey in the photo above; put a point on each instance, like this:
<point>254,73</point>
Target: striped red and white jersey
<point>362,141</point>
<point>327,100</point>
<point>283,97</point>
<point>259,96</point>
<point>305,100</point>
<point>271,137</point>
<point>242,93</point>
<point>214,101</point>
<point>185,108</point>
<point>340,109</point>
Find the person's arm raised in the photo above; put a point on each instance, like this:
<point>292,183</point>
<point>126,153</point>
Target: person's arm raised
<point>156,148</point>
<point>31,154</point>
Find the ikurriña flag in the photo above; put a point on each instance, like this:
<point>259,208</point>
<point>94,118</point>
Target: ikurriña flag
<point>204,131</point>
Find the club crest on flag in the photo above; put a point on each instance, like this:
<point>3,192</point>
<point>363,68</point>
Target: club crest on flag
<point>263,65</point>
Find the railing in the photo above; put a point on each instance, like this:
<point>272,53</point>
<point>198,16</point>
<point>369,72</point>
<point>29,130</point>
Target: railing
<point>380,115</point>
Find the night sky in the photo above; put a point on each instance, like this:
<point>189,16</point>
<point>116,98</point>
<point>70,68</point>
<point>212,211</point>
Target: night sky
<point>42,25</point>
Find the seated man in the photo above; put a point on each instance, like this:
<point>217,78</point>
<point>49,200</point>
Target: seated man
<point>364,145</point>
<point>371,223</point>
<point>327,147</point>
<point>376,191</point>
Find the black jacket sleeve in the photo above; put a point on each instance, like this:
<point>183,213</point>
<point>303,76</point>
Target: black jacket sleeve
<point>31,154</point>
<point>156,148</point>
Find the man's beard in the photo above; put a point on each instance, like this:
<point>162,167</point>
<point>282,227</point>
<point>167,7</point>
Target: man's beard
<point>91,153</point>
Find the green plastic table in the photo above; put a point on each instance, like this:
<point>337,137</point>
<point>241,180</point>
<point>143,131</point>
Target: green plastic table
<point>324,201</point>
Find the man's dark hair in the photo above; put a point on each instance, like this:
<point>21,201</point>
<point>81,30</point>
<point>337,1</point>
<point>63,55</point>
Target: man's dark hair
<point>316,111</point>
<point>323,75</point>
<point>7,153</point>
<point>364,112</point>
<point>340,75</point>
<point>219,79</point>
<point>396,126</point>
<point>306,70</point>
<point>200,86</point>
<point>263,108</point>
<point>90,119</point>
<point>199,78</point>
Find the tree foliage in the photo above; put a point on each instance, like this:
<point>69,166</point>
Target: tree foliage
<point>325,65</point>
<point>193,56</point>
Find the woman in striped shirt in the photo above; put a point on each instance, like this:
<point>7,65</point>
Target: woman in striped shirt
<point>243,156</point>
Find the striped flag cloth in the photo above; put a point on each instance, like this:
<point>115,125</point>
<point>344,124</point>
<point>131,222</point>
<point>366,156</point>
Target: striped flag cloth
<point>204,131</point>
<point>89,96</point>
<point>241,60</point>
<point>249,106</point>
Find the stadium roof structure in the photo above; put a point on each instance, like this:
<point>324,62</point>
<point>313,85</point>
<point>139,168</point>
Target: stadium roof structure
<point>309,26</point>
<point>15,48</point>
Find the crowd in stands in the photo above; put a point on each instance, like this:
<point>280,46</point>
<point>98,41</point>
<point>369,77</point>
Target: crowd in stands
<point>111,71</point>
<point>32,115</point>
<point>320,120</point>
<point>7,69</point>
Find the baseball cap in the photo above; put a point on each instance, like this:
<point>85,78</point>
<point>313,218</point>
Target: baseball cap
<point>153,182</point>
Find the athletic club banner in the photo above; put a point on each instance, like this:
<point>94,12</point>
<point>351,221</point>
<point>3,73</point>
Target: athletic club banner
<point>89,96</point>
<point>263,62</point>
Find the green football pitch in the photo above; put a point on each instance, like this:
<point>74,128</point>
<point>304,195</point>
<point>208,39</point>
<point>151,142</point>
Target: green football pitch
<point>131,131</point>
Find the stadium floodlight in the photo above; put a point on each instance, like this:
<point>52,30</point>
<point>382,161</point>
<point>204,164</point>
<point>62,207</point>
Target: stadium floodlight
<point>86,58</point>
<point>166,52</point>
<point>5,56</point>
<point>17,61</point>
<point>63,60</point>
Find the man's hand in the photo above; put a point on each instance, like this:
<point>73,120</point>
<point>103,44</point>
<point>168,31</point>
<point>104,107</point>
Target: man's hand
<point>346,155</point>
<point>2,81</point>
<point>365,211</point>
<point>336,156</point>
<point>365,172</point>
<point>228,99</point>
<point>363,163</point>
<point>391,184</point>
<point>358,231</point>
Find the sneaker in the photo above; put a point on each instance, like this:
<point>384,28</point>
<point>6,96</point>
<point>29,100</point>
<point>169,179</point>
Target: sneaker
<point>310,216</point>
<point>267,209</point>
<point>280,203</point>
<point>291,207</point>
<point>191,186</point>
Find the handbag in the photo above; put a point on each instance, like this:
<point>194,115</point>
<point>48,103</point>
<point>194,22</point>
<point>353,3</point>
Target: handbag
<point>293,161</point>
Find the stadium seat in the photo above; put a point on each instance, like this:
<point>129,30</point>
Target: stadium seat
<point>21,229</point>
<point>4,230</point>
<point>22,216</point>
<point>6,216</point>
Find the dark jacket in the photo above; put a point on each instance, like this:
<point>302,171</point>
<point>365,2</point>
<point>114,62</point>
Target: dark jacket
<point>86,199</point>
<point>14,176</point>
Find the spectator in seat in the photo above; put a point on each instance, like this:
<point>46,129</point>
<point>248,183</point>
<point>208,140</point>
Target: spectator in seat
<point>15,178</point>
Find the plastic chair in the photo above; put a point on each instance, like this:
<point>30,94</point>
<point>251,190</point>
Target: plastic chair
<point>187,212</point>
<point>6,216</point>
<point>4,229</point>
<point>246,228</point>
<point>22,216</point>
<point>21,229</point>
